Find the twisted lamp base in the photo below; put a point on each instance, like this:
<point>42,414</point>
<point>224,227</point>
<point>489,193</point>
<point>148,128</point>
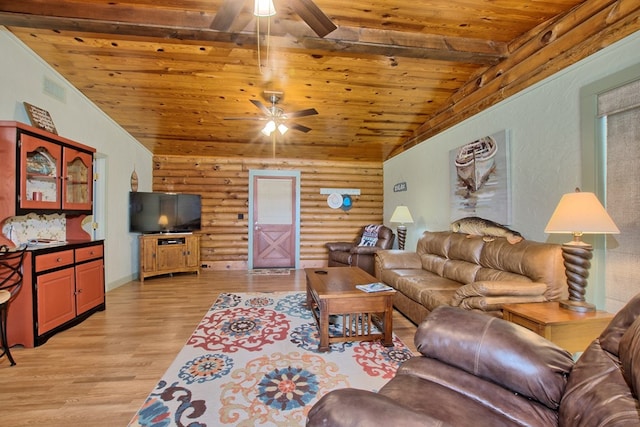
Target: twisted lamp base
<point>577,263</point>
<point>402,235</point>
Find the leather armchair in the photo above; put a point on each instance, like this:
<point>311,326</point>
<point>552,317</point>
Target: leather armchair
<point>475,369</point>
<point>353,254</point>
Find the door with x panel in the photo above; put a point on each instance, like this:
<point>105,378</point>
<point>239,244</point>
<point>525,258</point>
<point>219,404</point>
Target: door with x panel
<point>274,221</point>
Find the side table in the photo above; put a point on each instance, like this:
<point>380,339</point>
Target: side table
<point>568,329</point>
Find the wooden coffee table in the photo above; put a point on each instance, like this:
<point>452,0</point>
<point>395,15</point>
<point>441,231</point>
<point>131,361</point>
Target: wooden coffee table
<point>363,316</point>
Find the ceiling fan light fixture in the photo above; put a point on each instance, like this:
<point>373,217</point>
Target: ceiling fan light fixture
<point>282,128</point>
<point>269,128</point>
<point>263,8</point>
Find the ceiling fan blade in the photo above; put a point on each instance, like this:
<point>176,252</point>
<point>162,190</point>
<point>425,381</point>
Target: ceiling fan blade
<point>313,16</point>
<point>226,15</point>
<point>246,118</point>
<point>261,106</point>
<point>301,113</point>
<point>299,127</point>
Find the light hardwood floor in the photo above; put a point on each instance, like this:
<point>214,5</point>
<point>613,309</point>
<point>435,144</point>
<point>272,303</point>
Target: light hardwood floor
<point>98,373</point>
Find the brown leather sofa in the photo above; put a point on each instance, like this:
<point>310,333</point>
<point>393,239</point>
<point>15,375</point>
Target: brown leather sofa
<point>478,370</point>
<point>348,254</point>
<point>453,269</point>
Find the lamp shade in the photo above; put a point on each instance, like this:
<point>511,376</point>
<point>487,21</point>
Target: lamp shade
<point>282,128</point>
<point>402,215</point>
<point>581,213</point>
<point>264,8</point>
<point>163,220</point>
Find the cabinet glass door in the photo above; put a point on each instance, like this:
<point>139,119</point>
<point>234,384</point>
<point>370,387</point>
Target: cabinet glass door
<point>78,183</point>
<point>40,166</point>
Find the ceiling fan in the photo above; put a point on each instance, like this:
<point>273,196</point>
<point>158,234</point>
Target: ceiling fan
<point>275,116</point>
<point>306,9</point>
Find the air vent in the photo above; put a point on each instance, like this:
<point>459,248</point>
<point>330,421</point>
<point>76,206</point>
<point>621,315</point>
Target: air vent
<point>54,90</point>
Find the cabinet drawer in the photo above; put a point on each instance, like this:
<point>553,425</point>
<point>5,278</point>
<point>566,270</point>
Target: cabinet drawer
<point>91,252</point>
<point>527,323</point>
<point>54,260</point>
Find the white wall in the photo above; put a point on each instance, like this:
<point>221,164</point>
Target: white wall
<point>544,122</point>
<point>21,79</point>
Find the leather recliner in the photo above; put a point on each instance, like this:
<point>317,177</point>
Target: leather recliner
<point>480,370</point>
<point>348,254</point>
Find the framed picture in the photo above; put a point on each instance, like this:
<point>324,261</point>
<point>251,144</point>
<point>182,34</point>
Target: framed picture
<point>40,118</point>
<point>480,179</point>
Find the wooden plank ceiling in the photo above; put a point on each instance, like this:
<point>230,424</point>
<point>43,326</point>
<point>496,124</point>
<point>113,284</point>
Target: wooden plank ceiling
<point>392,73</point>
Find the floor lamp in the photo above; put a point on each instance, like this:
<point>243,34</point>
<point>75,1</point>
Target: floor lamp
<point>402,216</point>
<point>579,213</point>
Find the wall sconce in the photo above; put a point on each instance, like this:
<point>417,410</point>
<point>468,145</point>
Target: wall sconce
<point>401,215</point>
<point>579,213</point>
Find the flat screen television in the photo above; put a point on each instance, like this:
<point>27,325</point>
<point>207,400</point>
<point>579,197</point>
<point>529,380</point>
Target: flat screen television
<point>155,212</point>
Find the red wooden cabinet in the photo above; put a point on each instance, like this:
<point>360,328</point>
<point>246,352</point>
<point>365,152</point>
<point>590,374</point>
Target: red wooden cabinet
<point>63,286</point>
<point>50,173</point>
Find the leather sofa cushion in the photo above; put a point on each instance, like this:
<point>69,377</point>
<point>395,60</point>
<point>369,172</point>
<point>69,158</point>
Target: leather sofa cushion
<point>460,398</point>
<point>465,247</point>
<point>489,274</point>
<point>433,263</point>
<point>630,356</point>
<point>597,394</point>
<point>362,408</point>
<point>391,277</point>
<point>492,295</point>
<point>461,271</point>
<point>497,351</point>
<point>428,289</point>
<point>436,243</point>
<point>339,246</point>
<point>530,259</point>
<point>341,257</point>
<point>496,303</point>
<point>612,334</point>
<point>490,288</point>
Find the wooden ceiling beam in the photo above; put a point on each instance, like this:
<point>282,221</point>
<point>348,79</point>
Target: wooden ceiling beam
<point>345,40</point>
<point>539,54</point>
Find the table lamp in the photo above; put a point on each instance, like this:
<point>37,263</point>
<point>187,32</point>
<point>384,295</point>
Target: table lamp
<point>401,215</point>
<point>163,222</point>
<point>579,213</point>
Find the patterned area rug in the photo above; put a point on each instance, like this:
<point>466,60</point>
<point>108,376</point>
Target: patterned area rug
<point>253,361</point>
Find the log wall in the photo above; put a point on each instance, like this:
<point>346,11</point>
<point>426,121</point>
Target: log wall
<point>224,186</point>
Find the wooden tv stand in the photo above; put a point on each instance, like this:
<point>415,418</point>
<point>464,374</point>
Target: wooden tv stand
<point>169,253</point>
